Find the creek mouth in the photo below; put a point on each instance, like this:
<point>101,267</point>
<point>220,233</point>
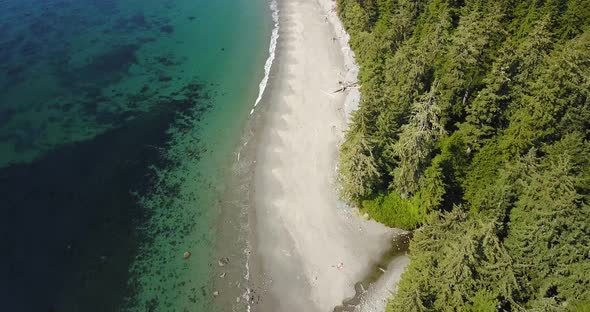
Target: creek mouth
<point>398,248</point>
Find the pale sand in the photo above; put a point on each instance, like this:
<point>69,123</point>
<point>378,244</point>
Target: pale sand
<point>303,233</point>
<point>377,295</point>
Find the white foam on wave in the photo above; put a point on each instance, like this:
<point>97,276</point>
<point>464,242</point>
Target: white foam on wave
<point>247,295</point>
<point>271,52</point>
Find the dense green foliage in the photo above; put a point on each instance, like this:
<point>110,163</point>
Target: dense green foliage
<point>474,127</point>
<point>389,207</point>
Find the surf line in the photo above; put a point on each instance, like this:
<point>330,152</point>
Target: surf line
<point>247,295</point>
<point>271,51</point>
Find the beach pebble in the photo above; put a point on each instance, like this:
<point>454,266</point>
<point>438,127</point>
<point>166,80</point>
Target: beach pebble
<point>186,255</point>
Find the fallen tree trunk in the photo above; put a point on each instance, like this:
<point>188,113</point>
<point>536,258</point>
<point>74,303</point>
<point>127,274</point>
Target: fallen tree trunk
<point>345,86</point>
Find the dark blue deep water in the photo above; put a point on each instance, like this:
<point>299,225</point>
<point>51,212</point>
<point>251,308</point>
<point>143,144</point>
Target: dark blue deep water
<point>118,119</point>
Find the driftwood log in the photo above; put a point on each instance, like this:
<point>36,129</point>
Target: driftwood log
<point>345,86</point>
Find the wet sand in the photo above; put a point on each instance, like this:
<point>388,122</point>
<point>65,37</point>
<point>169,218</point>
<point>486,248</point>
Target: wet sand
<point>308,248</point>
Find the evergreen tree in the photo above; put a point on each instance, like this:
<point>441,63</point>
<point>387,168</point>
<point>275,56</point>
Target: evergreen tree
<point>474,127</point>
<point>359,175</point>
<point>416,142</point>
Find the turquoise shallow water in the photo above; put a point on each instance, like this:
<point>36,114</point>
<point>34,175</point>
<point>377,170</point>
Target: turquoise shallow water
<point>118,121</point>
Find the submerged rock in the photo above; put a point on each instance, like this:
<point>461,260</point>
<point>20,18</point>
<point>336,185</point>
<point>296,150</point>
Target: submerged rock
<point>223,261</point>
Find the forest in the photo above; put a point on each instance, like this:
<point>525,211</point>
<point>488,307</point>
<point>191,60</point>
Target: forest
<point>473,130</point>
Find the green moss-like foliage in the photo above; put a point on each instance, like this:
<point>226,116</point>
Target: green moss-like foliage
<point>394,211</point>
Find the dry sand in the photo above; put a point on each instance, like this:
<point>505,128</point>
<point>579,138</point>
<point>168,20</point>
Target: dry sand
<point>310,249</point>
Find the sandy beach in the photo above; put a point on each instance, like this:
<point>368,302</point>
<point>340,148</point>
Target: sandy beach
<point>309,249</point>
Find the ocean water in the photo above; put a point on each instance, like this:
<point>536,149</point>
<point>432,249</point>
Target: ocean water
<point>118,122</point>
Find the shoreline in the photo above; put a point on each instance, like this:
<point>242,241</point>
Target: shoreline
<point>351,69</point>
<point>232,289</point>
<point>280,259</point>
<point>308,250</point>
